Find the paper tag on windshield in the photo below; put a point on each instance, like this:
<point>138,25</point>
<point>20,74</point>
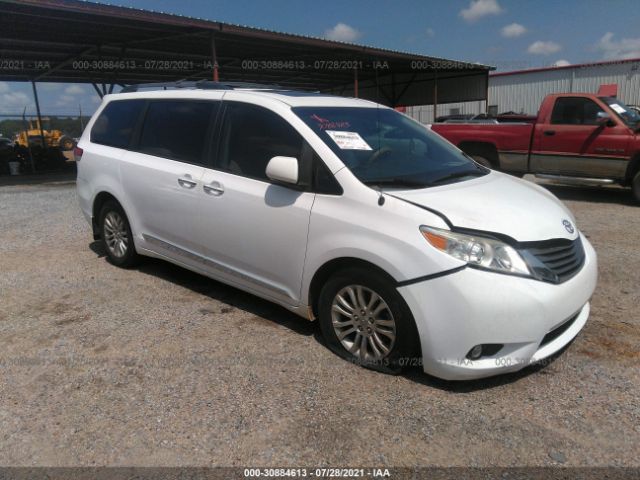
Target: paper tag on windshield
<point>617,108</point>
<point>348,140</point>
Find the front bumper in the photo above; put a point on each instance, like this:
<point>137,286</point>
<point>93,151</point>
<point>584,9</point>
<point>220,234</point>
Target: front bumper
<point>455,312</point>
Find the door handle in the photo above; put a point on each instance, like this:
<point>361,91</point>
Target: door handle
<point>214,188</point>
<point>186,183</point>
<point>549,133</point>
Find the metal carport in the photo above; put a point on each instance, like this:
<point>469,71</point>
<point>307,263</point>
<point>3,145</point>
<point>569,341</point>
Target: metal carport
<point>83,42</point>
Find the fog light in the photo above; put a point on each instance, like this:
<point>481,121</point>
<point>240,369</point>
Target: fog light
<point>484,350</point>
<point>475,353</point>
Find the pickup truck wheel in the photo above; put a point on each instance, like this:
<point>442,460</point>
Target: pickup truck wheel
<point>635,186</point>
<point>485,162</point>
<point>365,320</point>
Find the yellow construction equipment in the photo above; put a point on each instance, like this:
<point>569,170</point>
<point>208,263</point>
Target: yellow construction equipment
<point>33,136</point>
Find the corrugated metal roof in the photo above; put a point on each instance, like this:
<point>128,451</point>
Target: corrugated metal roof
<point>81,41</point>
<point>124,11</point>
<point>566,67</point>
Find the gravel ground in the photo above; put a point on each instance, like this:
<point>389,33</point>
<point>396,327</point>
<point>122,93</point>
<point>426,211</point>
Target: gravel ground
<point>160,366</point>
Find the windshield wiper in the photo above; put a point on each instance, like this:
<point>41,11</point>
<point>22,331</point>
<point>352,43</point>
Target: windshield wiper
<point>453,176</point>
<point>394,182</point>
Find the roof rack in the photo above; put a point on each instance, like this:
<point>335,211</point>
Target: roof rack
<point>200,84</point>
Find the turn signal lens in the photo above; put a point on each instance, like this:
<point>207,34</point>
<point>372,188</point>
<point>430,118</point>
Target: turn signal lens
<point>436,240</point>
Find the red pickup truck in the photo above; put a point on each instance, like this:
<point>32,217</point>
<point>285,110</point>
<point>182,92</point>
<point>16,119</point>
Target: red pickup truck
<point>576,137</point>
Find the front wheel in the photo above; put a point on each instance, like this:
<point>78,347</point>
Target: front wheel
<point>116,235</point>
<point>364,319</point>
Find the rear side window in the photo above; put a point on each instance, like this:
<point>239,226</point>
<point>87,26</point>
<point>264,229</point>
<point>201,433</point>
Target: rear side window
<point>116,123</point>
<point>176,129</point>
<point>575,111</point>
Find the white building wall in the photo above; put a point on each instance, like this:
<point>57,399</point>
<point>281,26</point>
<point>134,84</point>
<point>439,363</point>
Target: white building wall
<point>523,92</point>
<point>424,113</point>
<point>625,75</point>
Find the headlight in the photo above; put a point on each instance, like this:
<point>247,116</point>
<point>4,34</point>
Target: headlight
<point>477,251</point>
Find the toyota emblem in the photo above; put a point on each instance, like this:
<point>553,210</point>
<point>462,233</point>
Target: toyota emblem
<point>568,227</point>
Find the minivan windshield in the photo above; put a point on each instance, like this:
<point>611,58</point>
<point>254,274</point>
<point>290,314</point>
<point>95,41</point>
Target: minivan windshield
<point>387,149</point>
<point>628,115</point>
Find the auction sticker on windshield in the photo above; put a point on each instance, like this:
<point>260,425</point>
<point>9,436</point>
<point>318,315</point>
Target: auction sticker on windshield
<point>348,140</point>
<point>617,108</point>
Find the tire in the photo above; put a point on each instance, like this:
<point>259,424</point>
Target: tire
<point>484,161</point>
<point>394,318</point>
<point>116,237</point>
<point>67,143</point>
<point>635,186</point>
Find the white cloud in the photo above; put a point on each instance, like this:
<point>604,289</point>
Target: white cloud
<point>561,63</point>
<point>49,87</point>
<point>66,101</point>
<point>480,8</point>
<point>430,32</point>
<point>513,30</point>
<point>74,90</point>
<point>625,48</point>
<point>13,102</point>
<point>342,33</point>
<point>55,98</point>
<point>544,48</point>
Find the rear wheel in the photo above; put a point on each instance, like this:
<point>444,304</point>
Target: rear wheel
<point>635,186</point>
<point>116,235</point>
<point>364,319</point>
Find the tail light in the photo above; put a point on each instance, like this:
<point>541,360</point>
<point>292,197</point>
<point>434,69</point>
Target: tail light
<point>77,153</point>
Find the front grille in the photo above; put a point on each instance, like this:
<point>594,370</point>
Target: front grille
<point>559,330</point>
<point>555,260</point>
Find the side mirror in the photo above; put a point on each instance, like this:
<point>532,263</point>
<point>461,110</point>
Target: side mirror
<point>283,169</point>
<point>604,119</point>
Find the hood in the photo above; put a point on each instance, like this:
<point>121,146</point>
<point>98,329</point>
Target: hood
<point>498,203</point>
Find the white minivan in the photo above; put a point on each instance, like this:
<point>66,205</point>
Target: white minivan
<point>342,210</point>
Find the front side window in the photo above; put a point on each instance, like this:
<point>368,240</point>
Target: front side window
<point>176,129</point>
<point>385,148</point>
<point>575,111</point>
<point>252,136</point>
<point>116,123</point>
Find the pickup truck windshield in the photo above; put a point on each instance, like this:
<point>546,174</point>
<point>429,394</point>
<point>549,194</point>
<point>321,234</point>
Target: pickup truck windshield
<point>626,114</point>
<point>386,149</point>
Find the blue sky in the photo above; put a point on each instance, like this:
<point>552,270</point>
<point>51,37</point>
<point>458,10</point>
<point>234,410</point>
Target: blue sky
<point>510,34</point>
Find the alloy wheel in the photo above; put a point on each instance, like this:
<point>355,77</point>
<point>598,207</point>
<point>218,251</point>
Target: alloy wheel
<point>363,323</point>
<point>115,234</point>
